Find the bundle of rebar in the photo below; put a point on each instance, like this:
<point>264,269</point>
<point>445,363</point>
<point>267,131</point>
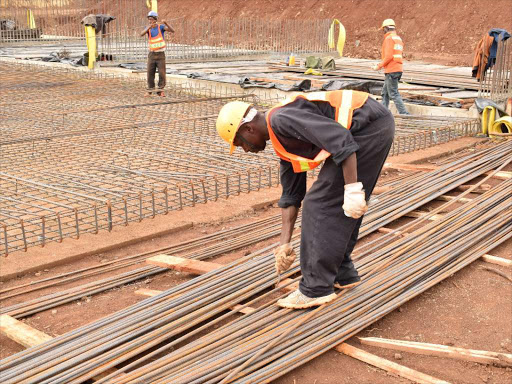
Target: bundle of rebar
<point>271,341</point>
<point>407,194</point>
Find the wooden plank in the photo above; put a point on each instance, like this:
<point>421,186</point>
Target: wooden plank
<point>198,267</point>
<point>389,366</point>
<point>501,175</point>
<point>153,292</point>
<point>289,288</point>
<point>484,357</point>
<point>21,333</point>
<point>409,167</point>
<point>450,198</point>
<point>482,189</point>
<point>27,336</point>
<point>418,214</point>
<point>497,260</point>
<point>389,230</point>
<point>147,292</point>
<point>378,190</point>
<point>181,264</point>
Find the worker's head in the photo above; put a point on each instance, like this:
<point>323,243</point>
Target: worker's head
<point>152,17</point>
<point>241,125</point>
<point>388,25</point>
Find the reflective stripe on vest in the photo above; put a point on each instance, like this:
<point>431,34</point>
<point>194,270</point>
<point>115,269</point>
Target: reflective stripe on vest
<point>156,43</point>
<point>344,103</point>
<point>398,48</point>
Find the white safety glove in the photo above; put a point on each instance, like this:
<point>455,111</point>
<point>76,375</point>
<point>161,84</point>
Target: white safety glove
<point>285,256</point>
<point>375,67</point>
<point>354,202</point>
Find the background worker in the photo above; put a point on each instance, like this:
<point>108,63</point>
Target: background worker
<point>156,57</point>
<point>392,62</point>
<point>352,134</point>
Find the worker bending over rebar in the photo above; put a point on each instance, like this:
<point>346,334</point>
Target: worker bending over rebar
<point>351,134</point>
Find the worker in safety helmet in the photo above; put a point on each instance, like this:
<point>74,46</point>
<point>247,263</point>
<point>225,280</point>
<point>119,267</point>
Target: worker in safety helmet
<point>392,62</point>
<point>350,134</point>
<point>156,57</point>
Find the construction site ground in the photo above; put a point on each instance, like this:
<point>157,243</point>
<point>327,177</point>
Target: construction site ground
<point>53,123</point>
<point>472,309</point>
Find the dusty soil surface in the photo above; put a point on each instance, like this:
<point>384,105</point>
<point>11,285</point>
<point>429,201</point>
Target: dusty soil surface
<point>443,32</point>
<point>472,309</point>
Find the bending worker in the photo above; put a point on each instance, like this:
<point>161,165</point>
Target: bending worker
<point>351,134</point>
<point>392,62</point>
<point>156,57</point>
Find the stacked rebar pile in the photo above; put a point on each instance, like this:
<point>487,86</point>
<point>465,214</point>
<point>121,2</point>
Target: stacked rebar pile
<point>393,271</point>
<point>407,194</point>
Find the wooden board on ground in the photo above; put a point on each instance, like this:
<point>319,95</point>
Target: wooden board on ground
<point>27,336</point>
<point>497,260</point>
<point>484,357</point>
<point>198,267</point>
<point>21,333</point>
<point>181,264</point>
<point>389,366</point>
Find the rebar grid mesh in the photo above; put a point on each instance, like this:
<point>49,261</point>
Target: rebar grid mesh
<point>58,24</point>
<point>82,152</point>
<point>496,83</point>
<point>88,154</point>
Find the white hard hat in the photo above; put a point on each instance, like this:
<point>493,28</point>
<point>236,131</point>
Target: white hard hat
<point>153,14</point>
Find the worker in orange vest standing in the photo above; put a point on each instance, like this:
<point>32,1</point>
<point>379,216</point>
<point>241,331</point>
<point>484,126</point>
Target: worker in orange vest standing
<point>156,57</point>
<point>351,134</point>
<point>392,62</point>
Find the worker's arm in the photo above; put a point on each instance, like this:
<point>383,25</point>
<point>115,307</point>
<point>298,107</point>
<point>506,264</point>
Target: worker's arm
<point>294,190</point>
<point>168,27</point>
<point>349,167</point>
<point>145,32</point>
<point>289,215</point>
<point>387,54</point>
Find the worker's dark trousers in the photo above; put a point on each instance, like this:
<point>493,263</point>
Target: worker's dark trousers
<point>156,60</point>
<point>390,91</point>
<point>328,236</point>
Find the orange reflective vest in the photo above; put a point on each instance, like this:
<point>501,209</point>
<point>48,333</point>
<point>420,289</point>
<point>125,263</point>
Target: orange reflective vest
<point>344,103</point>
<point>392,53</point>
<point>156,43</point>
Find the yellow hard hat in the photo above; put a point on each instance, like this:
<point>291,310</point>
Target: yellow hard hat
<point>388,23</point>
<point>229,119</point>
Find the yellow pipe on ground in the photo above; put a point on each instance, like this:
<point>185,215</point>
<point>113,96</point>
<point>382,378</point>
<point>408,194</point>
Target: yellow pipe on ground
<point>501,126</point>
<point>488,118</point>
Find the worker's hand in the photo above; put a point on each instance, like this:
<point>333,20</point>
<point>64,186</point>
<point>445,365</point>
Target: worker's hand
<point>164,22</point>
<point>285,256</point>
<point>375,67</point>
<point>354,204</point>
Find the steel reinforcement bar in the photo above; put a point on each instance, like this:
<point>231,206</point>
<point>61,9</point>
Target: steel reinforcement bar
<point>270,341</point>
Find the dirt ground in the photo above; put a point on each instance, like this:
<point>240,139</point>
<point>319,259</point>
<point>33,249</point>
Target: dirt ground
<point>472,309</point>
<point>442,32</point>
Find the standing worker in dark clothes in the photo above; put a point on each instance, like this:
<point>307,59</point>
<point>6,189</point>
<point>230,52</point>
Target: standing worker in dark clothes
<point>352,134</point>
<point>392,62</point>
<point>156,57</point>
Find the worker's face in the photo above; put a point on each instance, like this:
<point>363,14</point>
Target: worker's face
<point>249,139</point>
<point>152,21</point>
